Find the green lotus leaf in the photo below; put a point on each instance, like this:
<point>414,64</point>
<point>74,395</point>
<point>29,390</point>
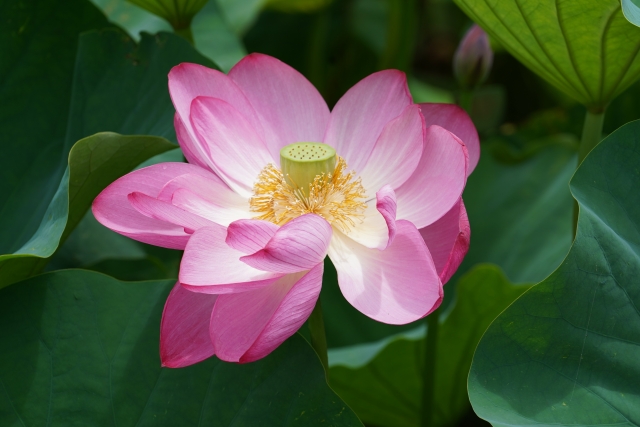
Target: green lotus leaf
<point>585,48</point>
<point>567,352</point>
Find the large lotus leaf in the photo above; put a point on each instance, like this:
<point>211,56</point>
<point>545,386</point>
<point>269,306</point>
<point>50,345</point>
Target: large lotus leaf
<point>79,348</point>
<point>117,86</point>
<point>38,44</point>
<point>631,10</point>
<point>520,210</point>
<point>568,351</point>
<point>383,382</point>
<point>585,48</point>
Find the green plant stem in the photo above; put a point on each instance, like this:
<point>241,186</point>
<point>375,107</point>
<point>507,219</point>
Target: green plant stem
<point>429,373</point>
<point>591,136</point>
<point>319,336</point>
<point>185,33</point>
<point>466,100</point>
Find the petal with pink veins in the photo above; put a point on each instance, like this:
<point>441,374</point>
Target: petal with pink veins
<point>290,109</point>
<point>250,235</point>
<point>457,121</point>
<point>248,326</point>
<point>211,266</point>
<point>184,330</point>
<point>396,152</point>
<point>206,196</point>
<point>237,152</point>
<point>438,181</point>
<point>113,210</point>
<point>187,144</point>
<point>448,240</point>
<point>188,81</point>
<point>158,209</point>
<point>298,245</point>
<point>397,285</point>
<point>360,115</point>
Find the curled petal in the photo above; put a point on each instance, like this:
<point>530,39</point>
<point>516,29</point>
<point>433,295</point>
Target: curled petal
<point>457,121</point>
<point>250,235</point>
<point>360,115</point>
<point>377,228</point>
<point>290,109</point>
<point>184,330</point>
<point>206,196</point>
<point>397,285</point>
<point>438,181</point>
<point>211,266</point>
<point>158,209</point>
<point>113,210</point>
<point>298,245</point>
<point>250,325</point>
<point>448,240</point>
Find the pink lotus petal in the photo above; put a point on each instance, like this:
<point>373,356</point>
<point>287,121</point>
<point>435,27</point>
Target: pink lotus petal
<point>250,235</point>
<point>237,151</point>
<point>457,121</point>
<point>360,115</point>
<point>448,240</point>
<point>397,285</point>
<point>438,181</point>
<point>289,107</point>
<point>298,245</point>
<point>188,81</point>
<point>211,266</point>
<point>396,152</point>
<point>248,326</point>
<point>187,144</point>
<point>386,205</point>
<point>184,331</point>
<point>206,196</point>
<point>113,210</point>
<point>154,208</point>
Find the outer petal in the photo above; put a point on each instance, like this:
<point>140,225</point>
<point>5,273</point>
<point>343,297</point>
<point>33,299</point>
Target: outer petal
<point>206,196</point>
<point>397,151</point>
<point>187,144</point>
<point>248,326</point>
<point>237,152</point>
<point>288,106</point>
<point>188,81</point>
<point>438,181</point>
<point>113,210</point>
<point>360,115</point>
<point>448,240</point>
<point>210,266</point>
<point>250,235</point>
<point>158,209</point>
<point>397,285</point>
<point>298,245</point>
<point>457,121</point>
<point>184,331</point>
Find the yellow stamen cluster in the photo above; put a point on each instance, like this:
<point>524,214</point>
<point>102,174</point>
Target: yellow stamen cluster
<point>337,197</point>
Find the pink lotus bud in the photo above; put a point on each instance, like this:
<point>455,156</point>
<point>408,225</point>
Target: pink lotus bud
<point>473,58</point>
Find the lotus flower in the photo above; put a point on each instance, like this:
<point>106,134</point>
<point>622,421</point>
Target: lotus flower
<point>367,183</point>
